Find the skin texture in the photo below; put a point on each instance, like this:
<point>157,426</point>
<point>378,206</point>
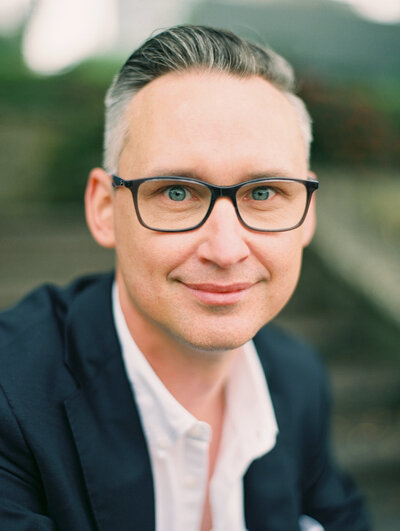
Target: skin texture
<point>224,130</point>
<point>191,300</point>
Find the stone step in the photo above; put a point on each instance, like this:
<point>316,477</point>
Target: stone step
<point>365,387</point>
<point>45,246</point>
<point>369,439</point>
<point>381,486</point>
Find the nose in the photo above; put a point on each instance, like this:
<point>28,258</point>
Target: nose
<point>223,241</point>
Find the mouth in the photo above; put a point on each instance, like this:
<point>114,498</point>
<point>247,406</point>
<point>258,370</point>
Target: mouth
<point>219,294</point>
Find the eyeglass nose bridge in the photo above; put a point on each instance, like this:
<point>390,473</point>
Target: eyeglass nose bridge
<point>218,192</point>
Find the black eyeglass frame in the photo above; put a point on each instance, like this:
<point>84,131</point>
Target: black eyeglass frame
<point>216,193</point>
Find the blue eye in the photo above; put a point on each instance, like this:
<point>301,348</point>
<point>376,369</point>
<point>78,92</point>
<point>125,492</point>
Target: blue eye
<point>261,193</point>
<point>176,193</point>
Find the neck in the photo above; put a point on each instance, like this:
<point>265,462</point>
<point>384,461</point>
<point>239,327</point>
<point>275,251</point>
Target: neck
<point>196,378</point>
<point>198,384</point>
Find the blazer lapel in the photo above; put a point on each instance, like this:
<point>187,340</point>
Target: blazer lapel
<point>270,493</point>
<point>104,420</point>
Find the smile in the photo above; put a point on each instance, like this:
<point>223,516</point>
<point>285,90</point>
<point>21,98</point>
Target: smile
<point>217,294</point>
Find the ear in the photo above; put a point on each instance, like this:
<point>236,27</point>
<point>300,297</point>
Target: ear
<point>308,227</point>
<point>99,207</point>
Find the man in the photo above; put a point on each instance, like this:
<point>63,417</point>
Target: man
<point>139,401</point>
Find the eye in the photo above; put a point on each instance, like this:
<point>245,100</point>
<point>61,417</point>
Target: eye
<point>177,193</point>
<point>261,193</point>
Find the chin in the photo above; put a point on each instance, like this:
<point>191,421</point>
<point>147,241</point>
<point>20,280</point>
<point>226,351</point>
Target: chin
<point>217,338</point>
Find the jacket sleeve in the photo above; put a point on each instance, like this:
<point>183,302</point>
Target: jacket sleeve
<point>329,495</point>
<point>22,500</point>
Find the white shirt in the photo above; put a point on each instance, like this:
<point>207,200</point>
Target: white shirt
<point>179,443</point>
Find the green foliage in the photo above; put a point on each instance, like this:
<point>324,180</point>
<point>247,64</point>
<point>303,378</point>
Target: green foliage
<point>51,128</point>
<point>349,126</point>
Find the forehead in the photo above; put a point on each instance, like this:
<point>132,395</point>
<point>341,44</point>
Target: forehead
<point>204,119</point>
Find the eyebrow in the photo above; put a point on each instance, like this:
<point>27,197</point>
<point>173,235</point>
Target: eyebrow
<point>169,172</point>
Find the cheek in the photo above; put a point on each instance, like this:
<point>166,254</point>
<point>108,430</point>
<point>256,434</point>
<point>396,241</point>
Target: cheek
<point>282,256</point>
<point>145,254</point>
<point>280,252</point>
<point>132,240</point>
<point>288,263</point>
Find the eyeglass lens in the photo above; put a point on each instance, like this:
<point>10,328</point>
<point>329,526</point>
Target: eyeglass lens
<point>179,205</point>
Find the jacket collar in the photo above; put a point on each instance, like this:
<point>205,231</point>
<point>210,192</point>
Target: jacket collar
<point>91,339</point>
<point>103,416</point>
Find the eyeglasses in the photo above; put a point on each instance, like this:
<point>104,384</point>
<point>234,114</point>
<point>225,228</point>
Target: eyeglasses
<point>180,204</point>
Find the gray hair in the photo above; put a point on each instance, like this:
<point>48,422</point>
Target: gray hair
<point>188,47</point>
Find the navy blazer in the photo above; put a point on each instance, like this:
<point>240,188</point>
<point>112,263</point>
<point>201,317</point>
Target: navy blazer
<point>73,456</point>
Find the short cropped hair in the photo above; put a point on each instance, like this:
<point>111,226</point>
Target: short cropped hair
<point>187,47</point>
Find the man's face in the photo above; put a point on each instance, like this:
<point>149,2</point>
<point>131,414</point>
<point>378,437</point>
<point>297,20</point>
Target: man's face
<point>213,287</point>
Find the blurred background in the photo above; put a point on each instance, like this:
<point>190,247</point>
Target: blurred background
<point>57,59</point>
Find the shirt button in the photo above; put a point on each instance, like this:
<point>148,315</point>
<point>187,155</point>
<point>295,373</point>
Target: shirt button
<point>191,481</point>
<point>196,431</point>
<point>163,443</point>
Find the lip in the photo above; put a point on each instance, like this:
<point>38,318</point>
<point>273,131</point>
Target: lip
<point>219,294</point>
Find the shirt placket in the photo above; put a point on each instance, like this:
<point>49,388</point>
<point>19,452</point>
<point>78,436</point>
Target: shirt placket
<point>194,475</point>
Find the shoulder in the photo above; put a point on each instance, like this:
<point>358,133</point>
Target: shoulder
<point>42,309</point>
<point>295,373</point>
<point>282,352</point>
<point>32,333</point>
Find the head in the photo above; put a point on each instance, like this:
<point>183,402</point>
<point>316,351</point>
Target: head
<point>201,103</point>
